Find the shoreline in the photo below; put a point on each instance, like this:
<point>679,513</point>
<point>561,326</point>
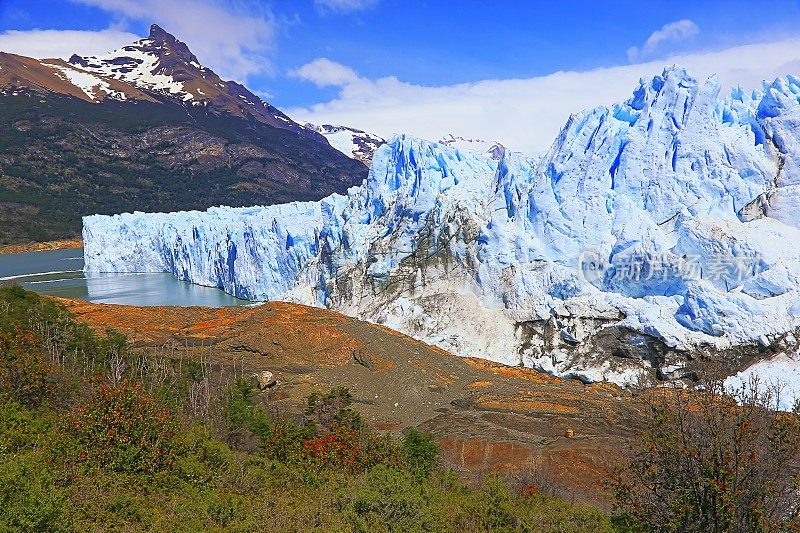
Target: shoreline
<point>66,244</point>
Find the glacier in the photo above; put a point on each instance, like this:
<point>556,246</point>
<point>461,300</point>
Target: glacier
<point>654,233</point>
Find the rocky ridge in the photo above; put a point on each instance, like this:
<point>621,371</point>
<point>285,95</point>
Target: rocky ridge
<point>145,128</point>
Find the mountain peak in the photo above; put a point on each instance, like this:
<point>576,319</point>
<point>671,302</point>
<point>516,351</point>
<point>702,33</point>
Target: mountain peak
<point>354,143</point>
<point>157,33</point>
<point>164,65</point>
<point>165,44</point>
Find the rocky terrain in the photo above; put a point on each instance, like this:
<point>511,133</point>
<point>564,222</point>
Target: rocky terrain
<point>68,244</point>
<point>487,417</point>
<point>146,128</point>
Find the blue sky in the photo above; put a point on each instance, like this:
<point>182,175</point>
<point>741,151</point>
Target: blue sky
<point>374,54</point>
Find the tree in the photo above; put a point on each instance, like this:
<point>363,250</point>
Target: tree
<point>713,460</point>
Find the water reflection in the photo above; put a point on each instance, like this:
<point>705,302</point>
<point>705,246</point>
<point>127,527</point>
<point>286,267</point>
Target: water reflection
<point>58,273</point>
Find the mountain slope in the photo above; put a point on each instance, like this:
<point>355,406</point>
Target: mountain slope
<point>145,128</point>
<point>164,65</point>
<point>653,233</point>
<point>353,143</point>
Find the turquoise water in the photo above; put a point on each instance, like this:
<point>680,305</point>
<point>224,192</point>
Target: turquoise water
<point>60,273</point>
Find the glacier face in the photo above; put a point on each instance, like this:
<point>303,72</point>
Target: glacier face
<point>664,224</point>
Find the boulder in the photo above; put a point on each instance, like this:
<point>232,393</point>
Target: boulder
<point>264,380</point>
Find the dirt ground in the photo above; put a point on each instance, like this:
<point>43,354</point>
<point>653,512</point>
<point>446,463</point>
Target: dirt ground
<point>41,246</point>
<point>561,435</point>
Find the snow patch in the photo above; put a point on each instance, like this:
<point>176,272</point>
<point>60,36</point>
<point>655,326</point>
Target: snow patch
<point>91,85</point>
<point>133,65</point>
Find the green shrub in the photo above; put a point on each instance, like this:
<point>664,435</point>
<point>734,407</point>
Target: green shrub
<point>201,459</point>
<point>29,499</point>
<point>123,429</point>
<point>496,507</point>
<point>225,508</point>
<point>388,499</point>
<point>420,451</point>
<point>324,411</point>
<point>285,441</point>
<point>247,425</point>
<point>20,428</point>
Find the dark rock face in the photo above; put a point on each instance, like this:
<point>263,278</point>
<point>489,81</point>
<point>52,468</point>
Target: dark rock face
<point>62,158</point>
<point>162,39</point>
<point>605,341</point>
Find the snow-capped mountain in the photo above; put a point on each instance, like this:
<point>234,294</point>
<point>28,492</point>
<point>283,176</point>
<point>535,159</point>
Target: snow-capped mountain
<point>156,69</point>
<point>139,124</point>
<point>353,143</point>
<point>492,149</point>
<point>163,65</point>
<point>19,74</point>
<point>654,231</point>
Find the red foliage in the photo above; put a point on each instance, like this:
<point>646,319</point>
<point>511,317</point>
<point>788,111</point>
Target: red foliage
<point>125,429</point>
<point>349,450</point>
<point>530,490</point>
<point>24,371</point>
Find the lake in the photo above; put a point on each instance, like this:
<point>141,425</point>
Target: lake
<point>60,273</point>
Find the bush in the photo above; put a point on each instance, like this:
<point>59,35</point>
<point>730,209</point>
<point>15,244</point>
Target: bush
<point>388,500</point>
<point>350,451</point>
<point>24,374</point>
<point>420,451</point>
<point>29,499</point>
<point>123,429</point>
<point>709,461</point>
<point>200,458</point>
<point>247,426</point>
<point>20,428</point>
<point>326,411</point>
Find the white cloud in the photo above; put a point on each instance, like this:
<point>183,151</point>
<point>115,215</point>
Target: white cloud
<point>323,72</point>
<point>674,32</point>
<point>234,38</point>
<point>525,114</point>
<point>344,6</point>
<point>63,43</point>
<point>263,94</point>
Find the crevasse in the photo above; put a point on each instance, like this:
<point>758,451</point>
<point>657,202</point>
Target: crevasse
<point>461,250</point>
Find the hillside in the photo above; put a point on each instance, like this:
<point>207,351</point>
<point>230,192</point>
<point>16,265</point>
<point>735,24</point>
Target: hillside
<point>98,434</point>
<point>145,128</point>
<point>488,418</point>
